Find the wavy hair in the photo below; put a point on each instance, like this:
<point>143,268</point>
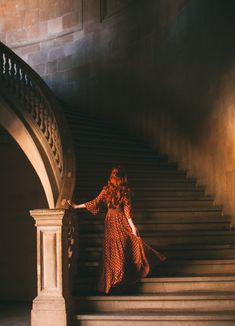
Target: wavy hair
<point>117,188</point>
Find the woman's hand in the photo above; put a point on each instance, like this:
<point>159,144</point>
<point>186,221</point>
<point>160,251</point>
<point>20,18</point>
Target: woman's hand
<point>75,205</point>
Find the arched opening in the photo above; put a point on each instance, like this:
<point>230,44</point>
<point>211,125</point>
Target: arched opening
<point>20,191</point>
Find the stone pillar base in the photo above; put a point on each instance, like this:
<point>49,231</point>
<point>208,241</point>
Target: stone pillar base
<point>49,312</point>
<point>51,307</point>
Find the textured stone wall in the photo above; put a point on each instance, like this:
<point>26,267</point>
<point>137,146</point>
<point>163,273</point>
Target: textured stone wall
<point>94,57</point>
<point>164,67</point>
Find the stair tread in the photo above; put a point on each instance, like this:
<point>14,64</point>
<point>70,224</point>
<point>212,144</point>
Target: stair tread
<point>189,247</point>
<point>169,221</point>
<point>158,314</point>
<point>161,296</point>
<point>181,261</point>
<point>171,233</point>
<point>180,279</point>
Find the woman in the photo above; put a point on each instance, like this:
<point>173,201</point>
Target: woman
<point>126,257</point>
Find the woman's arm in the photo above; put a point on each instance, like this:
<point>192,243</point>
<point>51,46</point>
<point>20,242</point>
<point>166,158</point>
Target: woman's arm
<point>93,206</point>
<point>75,205</point>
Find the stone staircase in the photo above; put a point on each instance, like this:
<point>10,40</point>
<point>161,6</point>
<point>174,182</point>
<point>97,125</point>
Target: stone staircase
<point>196,285</point>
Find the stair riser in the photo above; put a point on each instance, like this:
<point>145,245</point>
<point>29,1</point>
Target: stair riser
<point>183,305</point>
<point>176,270</point>
<point>158,186</point>
<point>134,179</point>
<point>170,287</point>
<point>170,204</point>
<point>116,149</point>
<point>187,255</point>
<point>124,141</point>
<point>148,173</point>
<point>152,215</point>
<point>166,241</point>
<point>125,156</point>
<point>168,322</point>
<point>109,160</point>
<point>137,166</point>
<point>166,227</point>
<point>152,196</point>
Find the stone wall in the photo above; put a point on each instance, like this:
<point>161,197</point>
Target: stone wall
<point>166,68</point>
<point>90,60</point>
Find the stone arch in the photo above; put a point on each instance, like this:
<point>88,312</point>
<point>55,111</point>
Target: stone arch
<point>15,127</point>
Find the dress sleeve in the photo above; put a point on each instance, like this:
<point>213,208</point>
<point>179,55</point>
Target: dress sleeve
<point>93,206</point>
<point>128,207</point>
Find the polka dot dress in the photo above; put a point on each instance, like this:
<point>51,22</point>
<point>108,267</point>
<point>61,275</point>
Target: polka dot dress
<point>126,258</point>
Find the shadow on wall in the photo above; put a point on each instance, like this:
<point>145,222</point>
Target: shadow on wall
<point>175,60</point>
<point>20,191</point>
<point>138,55</point>
<point>151,59</point>
<point>182,68</point>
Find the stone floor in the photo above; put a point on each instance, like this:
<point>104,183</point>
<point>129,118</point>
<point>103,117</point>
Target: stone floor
<point>15,314</point>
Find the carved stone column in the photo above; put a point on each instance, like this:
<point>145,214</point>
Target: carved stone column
<point>52,304</point>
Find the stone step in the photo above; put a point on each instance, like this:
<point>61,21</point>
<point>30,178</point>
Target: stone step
<point>191,301</point>
<point>157,239</point>
<point>156,318</point>
<point>117,148</point>
<point>163,181</point>
<point>115,157</point>
<point>164,193</point>
<point>135,175</point>
<point>97,125</point>
<point>177,267</point>
<point>89,121</point>
<point>191,252</point>
<point>108,153</point>
<point>166,213</point>
<point>174,203</point>
<point>166,285</point>
<point>144,198</point>
<point>83,135</point>
<point>141,184</point>
<point>90,186</point>
<point>211,224</point>
<point>86,138</point>
<point>137,166</point>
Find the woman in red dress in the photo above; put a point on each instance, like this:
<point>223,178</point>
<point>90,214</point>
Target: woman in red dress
<point>126,257</point>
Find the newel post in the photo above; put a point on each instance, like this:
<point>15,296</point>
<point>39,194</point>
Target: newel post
<point>52,304</point>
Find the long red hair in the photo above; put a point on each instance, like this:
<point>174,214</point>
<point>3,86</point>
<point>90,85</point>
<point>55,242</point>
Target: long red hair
<point>117,188</point>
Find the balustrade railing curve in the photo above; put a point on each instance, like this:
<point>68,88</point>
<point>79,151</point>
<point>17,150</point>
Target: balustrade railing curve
<point>40,111</point>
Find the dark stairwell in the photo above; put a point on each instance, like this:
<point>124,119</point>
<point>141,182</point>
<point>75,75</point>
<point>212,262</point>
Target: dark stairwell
<point>195,286</point>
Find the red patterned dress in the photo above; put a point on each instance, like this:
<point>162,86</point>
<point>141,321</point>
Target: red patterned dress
<point>126,258</point>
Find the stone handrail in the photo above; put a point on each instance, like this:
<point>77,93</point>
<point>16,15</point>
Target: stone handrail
<point>40,112</point>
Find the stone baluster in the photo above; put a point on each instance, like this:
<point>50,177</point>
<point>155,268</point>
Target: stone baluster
<point>52,304</point>
<point>7,71</point>
<point>1,64</point>
<point>17,81</point>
